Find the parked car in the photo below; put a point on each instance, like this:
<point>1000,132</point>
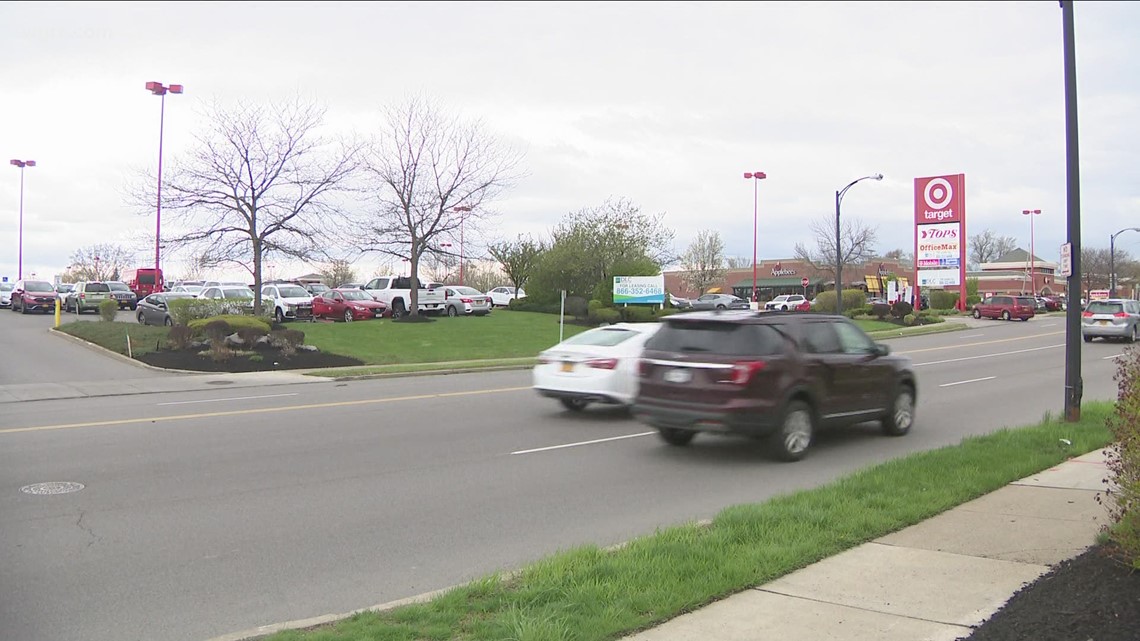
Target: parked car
<point>316,289</point>
<point>597,366</point>
<point>237,299</point>
<point>502,295</point>
<point>1050,303</point>
<point>779,377</point>
<point>465,301</point>
<point>1006,307</point>
<point>785,302</point>
<point>6,294</point>
<point>33,295</point>
<point>155,309</point>
<point>347,304</point>
<point>396,293</point>
<point>122,293</point>
<point>187,289</point>
<point>719,301</point>
<point>87,296</point>
<point>1111,318</point>
<point>676,302</point>
<point>63,289</point>
<point>287,302</point>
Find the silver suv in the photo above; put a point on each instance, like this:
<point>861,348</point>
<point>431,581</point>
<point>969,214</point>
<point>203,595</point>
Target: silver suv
<point>1111,318</point>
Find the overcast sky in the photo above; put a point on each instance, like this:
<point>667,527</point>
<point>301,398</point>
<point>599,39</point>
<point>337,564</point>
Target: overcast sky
<point>664,104</point>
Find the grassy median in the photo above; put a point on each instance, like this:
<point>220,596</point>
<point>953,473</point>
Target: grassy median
<point>591,593</point>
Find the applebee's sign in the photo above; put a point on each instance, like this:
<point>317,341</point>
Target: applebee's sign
<point>779,271</point>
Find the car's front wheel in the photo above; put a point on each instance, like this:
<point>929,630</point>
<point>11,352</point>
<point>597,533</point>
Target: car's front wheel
<point>348,315</point>
<point>792,440</point>
<point>977,313</point>
<point>574,404</point>
<point>141,318</point>
<point>279,316</point>
<point>675,436</point>
<point>900,416</point>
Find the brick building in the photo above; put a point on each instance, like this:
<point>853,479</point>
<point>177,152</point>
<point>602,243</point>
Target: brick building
<point>785,276</point>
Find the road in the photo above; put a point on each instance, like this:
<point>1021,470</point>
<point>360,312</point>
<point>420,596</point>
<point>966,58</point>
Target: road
<point>208,512</point>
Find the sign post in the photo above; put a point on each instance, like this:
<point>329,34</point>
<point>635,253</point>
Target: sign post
<point>940,235</point>
<point>804,282</point>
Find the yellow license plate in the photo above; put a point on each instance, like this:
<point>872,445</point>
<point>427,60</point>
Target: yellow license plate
<point>1103,322</point>
<point>568,367</point>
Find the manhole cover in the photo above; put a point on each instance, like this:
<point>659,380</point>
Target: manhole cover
<point>54,487</point>
<point>219,382</point>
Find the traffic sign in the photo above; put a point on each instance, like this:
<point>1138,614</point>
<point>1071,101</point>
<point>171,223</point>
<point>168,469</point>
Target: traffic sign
<point>1066,268</point>
<point>804,281</point>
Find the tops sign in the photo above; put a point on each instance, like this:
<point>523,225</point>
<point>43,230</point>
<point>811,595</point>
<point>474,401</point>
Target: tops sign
<point>939,199</point>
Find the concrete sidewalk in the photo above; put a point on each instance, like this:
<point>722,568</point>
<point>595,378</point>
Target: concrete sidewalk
<point>934,581</point>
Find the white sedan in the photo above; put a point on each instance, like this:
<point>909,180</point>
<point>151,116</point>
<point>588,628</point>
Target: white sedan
<point>502,296</point>
<point>785,302</point>
<point>599,365</point>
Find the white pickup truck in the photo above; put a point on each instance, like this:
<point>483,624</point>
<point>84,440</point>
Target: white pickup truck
<point>396,291</point>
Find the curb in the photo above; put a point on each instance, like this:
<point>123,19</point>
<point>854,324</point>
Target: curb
<point>122,358</point>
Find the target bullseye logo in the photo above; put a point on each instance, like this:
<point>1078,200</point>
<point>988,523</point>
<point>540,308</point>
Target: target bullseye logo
<point>938,193</point>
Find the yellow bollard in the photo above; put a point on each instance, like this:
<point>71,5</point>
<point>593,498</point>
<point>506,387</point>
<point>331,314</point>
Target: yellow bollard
<point>57,311</point>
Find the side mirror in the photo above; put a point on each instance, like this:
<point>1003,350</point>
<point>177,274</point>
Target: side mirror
<point>882,350</point>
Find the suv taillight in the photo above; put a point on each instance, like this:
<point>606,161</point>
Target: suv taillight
<point>743,371</point>
<point>644,367</point>
<point>1120,315</point>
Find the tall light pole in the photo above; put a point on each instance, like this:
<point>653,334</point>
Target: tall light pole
<point>1032,213</point>
<point>158,89</point>
<point>838,253</point>
<point>1112,260</point>
<point>22,164</point>
<point>755,177</point>
<point>462,209</point>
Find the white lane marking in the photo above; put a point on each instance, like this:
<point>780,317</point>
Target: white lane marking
<point>973,336</point>
<point>971,358</point>
<point>234,398</point>
<point>1050,325</point>
<point>1109,358</point>
<point>972,380</point>
<point>600,440</point>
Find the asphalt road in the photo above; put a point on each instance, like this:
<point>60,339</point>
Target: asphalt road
<point>236,508</point>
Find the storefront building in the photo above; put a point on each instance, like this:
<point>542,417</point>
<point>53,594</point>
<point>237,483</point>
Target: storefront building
<point>786,276</point>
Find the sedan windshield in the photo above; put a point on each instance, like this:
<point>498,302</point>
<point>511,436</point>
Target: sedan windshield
<point>237,293</point>
<point>38,286</point>
<point>6,287</point>
<point>293,292</point>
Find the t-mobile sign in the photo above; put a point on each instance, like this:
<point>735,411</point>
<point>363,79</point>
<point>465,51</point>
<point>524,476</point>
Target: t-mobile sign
<point>940,233</point>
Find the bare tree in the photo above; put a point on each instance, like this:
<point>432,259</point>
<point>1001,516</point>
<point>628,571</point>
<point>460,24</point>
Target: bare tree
<point>483,276</point>
<point>1095,268</point>
<point>858,244</point>
<point>432,176</point>
<point>988,247</point>
<point>260,182</point>
<point>518,258</point>
<point>337,271</point>
<point>703,261</point>
<point>737,262</point>
<point>895,254</point>
<point>99,262</point>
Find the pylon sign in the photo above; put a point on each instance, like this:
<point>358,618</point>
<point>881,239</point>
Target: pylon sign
<point>940,234</point>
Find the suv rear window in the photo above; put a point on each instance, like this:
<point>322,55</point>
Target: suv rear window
<point>1099,307</point>
<point>734,339</point>
<point>96,287</point>
<point>1027,301</point>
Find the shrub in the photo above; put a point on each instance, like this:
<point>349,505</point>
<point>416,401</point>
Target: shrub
<point>180,337</point>
<point>249,335</point>
<point>942,299</point>
<point>1124,459</point>
<point>909,320</point>
<point>108,309</point>
<point>865,310</point>
<point>973,299</point>
<point>286,340</point>
<point>594,304</point>
<point>235,322</point>
<point>665,311</point>
<point>880,310</point>
<point>637,314</point>
<point>577,307</point>
<point>901,308</point>
<point>605,315</point>
<point>216,330</point>
<point>852,298</point>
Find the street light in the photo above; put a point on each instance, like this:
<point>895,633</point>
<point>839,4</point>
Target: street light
<point>462,209</point>
<point>158,89</point>
<point>21,164</point>
<point>1111,259</point>
<point>839,254</point>
<point>1032,213</point>
<point>755,177</point>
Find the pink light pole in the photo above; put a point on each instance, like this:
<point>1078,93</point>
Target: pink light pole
<point>1032,213</point>
<point>462,209</point>
<point>755,177</point>
<point>158,89</point>
<point>22,164</point>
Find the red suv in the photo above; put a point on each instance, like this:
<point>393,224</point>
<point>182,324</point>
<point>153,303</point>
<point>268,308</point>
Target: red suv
<point>774,375</point>
<point>1006,307</point>
<point>33,295</point>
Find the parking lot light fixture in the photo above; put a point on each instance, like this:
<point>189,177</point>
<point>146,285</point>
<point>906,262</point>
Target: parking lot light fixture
<point>22,164</point>
<point>463,210</point>
<point>1032,213</point>
<point>160,90</point>
<point>1112,260</point>
<point>755,177</point>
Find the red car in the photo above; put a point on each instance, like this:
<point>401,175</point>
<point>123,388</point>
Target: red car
<point>1006,307</point>
<point>348,305</point>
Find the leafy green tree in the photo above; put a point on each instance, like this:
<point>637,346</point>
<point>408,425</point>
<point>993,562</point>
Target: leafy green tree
<point>337,272</point>
<point>591,246</point>
<point>518,258</point>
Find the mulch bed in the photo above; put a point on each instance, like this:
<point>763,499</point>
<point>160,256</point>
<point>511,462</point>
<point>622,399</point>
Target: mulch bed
<point>270,360</point>
<point>1092,597</point>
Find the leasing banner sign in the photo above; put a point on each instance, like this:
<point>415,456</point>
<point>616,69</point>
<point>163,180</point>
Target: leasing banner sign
<point>940,233</point>
<point>639,289</point>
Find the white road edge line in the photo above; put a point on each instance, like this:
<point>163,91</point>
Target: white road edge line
<point>973,335</point>
<point>600,440</point>
<point>234,398</point>
<point>972,380</point>
<point>1050,325</point>
<point>1109,358</point>
<point>971,358</point>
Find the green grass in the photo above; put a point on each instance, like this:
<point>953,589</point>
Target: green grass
<point>113,336</point>
<point>594,594</point>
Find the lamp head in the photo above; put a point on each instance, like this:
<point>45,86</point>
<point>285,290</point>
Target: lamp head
<point>758,175</point>
<point>877,176</point>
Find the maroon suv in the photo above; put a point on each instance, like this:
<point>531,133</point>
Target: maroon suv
<point>1006,307</point>
<point>774,375</point>
<point>33,295</point>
